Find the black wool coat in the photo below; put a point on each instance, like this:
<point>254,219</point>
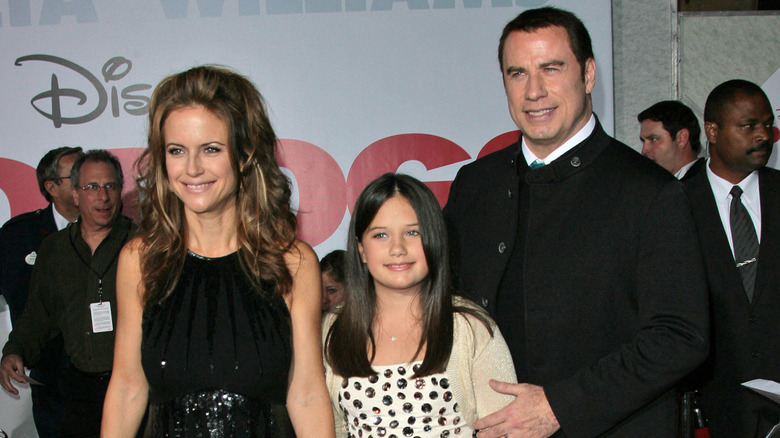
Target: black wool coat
<point>614,288</point>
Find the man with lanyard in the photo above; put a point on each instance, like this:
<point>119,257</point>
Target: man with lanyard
<point>73,292</point>
<point>20,238</point>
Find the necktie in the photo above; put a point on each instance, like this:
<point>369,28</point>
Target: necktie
<point>536,164</point>
<point>743,235</point>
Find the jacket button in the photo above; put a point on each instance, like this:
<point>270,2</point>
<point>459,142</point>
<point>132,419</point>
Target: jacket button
<point>501,248</point>
<point>484,302</point>
<point>755,354</point>
<point>509,193</point>
<point>753,318</point>
<point>575,161</point>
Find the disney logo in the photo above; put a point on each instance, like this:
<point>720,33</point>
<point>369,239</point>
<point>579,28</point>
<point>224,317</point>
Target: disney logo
<point>113,70</point>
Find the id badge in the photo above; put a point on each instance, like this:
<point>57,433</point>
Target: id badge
<point>101,317</point>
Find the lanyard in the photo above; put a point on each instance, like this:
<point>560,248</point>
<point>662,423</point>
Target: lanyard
<point>99,275</point>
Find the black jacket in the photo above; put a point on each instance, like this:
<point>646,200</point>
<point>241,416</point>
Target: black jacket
<point>745,335</point>
<point>19,237</point>
<point>614,287</point>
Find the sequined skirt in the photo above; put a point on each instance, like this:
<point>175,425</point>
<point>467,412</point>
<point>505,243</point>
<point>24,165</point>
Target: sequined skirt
<point>218,414</point>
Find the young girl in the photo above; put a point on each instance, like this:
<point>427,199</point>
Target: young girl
<point>332,267</point>
<point>404,357</point>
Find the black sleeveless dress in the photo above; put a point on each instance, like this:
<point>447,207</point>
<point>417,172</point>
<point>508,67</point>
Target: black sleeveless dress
<point>217,355</point>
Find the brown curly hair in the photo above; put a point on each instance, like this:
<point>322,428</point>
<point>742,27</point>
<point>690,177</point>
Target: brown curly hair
<point>266,225</point>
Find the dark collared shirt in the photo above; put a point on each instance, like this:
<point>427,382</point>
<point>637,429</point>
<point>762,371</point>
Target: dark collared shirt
<point>64,283</point>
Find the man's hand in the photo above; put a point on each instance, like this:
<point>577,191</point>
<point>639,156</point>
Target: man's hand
<point>528,416</point>
<point>12,367</point>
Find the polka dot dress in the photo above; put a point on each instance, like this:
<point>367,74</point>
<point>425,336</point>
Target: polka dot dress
<point>393,404</point>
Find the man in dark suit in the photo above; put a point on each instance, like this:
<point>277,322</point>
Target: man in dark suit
<point>669,132</point>
<point>20,238</point>
<point>73,293</point>
<point>741,258</point>
<point>589,263</point>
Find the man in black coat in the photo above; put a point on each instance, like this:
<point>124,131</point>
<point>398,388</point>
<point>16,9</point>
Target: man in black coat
<point>20,238</point>
<point>744,290</point>
<point>669,132</point>
<point>584,252</point>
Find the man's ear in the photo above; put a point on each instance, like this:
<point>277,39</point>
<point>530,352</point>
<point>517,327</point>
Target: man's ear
<point>682,138</point>
<point>50,187</point>
<point>75,193</point>
<point>711,131</point>
<point>590,75</point>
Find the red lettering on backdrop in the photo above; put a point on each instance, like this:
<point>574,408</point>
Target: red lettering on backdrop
<point>387,154</point>
<point>323,195</point>
<point>321,189</point>
<point>499,142</point>
<point>18,182</point>
<point>776,135</point>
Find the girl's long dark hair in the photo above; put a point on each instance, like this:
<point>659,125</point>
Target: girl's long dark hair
<point>351,333</point>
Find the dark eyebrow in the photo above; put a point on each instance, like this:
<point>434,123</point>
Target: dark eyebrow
<point>510,70</point>
<point>553,63</point>
<point>208,143</point>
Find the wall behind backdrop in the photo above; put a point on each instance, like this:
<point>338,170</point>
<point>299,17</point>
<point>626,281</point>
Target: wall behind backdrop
<point>718,46</point>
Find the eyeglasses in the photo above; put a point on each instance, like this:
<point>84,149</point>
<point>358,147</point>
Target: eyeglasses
<point>95,188</point>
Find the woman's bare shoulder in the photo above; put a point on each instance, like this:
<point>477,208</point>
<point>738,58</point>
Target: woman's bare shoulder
<point>301,258</point>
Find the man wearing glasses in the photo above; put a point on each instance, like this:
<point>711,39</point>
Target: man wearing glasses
<point>20,238</point>
<point>73,292</point>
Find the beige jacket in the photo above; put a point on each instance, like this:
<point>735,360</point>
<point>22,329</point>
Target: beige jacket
<point>475,359</point>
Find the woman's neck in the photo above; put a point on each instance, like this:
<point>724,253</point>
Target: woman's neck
<point>212,236</point>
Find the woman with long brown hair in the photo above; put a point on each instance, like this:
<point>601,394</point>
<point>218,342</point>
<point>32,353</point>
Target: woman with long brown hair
<point>218,303</point>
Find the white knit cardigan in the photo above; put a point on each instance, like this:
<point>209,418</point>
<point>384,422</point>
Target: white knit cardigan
<point>475,359</point>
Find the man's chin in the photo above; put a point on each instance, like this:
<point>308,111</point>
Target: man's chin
<point>107,217</point>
